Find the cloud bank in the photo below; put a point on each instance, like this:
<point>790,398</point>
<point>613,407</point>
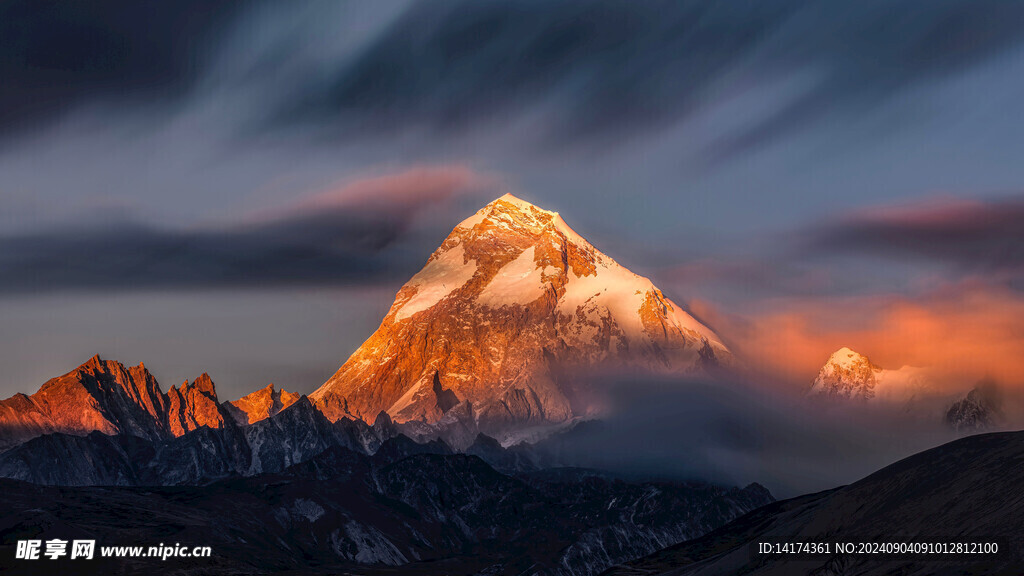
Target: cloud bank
<point>335,238</point>
<point>970,237</point>
<point>734,433</point>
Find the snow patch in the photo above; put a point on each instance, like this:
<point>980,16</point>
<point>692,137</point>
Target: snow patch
<point>520,203</point>
<point>473,220</point>
<point>622,294</point>
<point>518,282</point>
<point>307,509</point>
<point>411,394</point>
<point>612,288</point>
<point>682,319</point>
<point>571,234</point>
<point>439,278</point>
<point>366,545</point>
<point>902,385</point>
<point>845,358</point>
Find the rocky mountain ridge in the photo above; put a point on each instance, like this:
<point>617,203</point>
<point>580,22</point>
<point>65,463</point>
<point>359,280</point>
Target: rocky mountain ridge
<point>197,457</point>
<point>980,410</point>
<point>108,397</point>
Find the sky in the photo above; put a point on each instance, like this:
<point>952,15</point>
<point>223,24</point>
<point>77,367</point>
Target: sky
<point>240,188</point>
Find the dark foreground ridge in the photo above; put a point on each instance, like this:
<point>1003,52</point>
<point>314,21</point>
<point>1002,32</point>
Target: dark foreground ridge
<point>409,509</point>
<point>966,491</point>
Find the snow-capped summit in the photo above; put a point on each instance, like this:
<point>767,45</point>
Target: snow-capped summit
<point>846,374</point>
<point>512,299</point>
<point>849,375</point>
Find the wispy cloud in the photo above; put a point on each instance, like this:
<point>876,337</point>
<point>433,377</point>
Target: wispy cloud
<point>338,237</point>
<point>591,71</point>
<point>599,71</point>
<point>971,237</point>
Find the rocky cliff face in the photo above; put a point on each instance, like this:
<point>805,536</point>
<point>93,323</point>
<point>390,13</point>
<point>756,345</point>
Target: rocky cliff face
<point>199,456</point>
<point>978,411</point>
<point>106,396</point>
<point>99,395</point>
<point>193,406</point>
<point>260,405</point>
<point>509,304</point>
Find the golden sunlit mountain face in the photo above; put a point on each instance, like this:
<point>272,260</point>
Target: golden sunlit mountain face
<point>505,310</point>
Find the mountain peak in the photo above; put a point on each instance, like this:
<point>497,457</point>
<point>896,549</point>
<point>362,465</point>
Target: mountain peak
<point>96,365</point>
<point>204,384</point>
<point>511,214</point>
<point>261,404</point>
<point>99,395</point>
<point>518,202</point>
<point>511,296</point>
<point>193,406</point>
<point>850,375</point>
<point>978,411</point>
<point>847,357</point>
<point>847,374</point>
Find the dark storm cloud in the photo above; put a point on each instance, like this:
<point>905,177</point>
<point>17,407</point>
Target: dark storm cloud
<point>349,236</point>
<point>607,69</point>
<point>56,54</point>
<point>606,66</point>
<point>313,250</point>
<point>972,237</point>
<point>591,72</point>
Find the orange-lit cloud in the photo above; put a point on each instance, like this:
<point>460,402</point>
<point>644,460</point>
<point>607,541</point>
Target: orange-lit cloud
<point>403,191</point>
<point>964,333</point>
<point>935,283</point>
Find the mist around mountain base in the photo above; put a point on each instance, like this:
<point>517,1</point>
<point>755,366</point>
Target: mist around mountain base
<point>730,431</point>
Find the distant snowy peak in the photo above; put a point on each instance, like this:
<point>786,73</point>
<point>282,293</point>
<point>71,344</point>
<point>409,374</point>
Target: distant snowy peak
<point>849,375</point>
<point>511,296</point>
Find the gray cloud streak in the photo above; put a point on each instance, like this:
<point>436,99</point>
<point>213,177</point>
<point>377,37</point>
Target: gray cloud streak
<point>594,72</point>
<point>970,237</point>
<point>348,236</point>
